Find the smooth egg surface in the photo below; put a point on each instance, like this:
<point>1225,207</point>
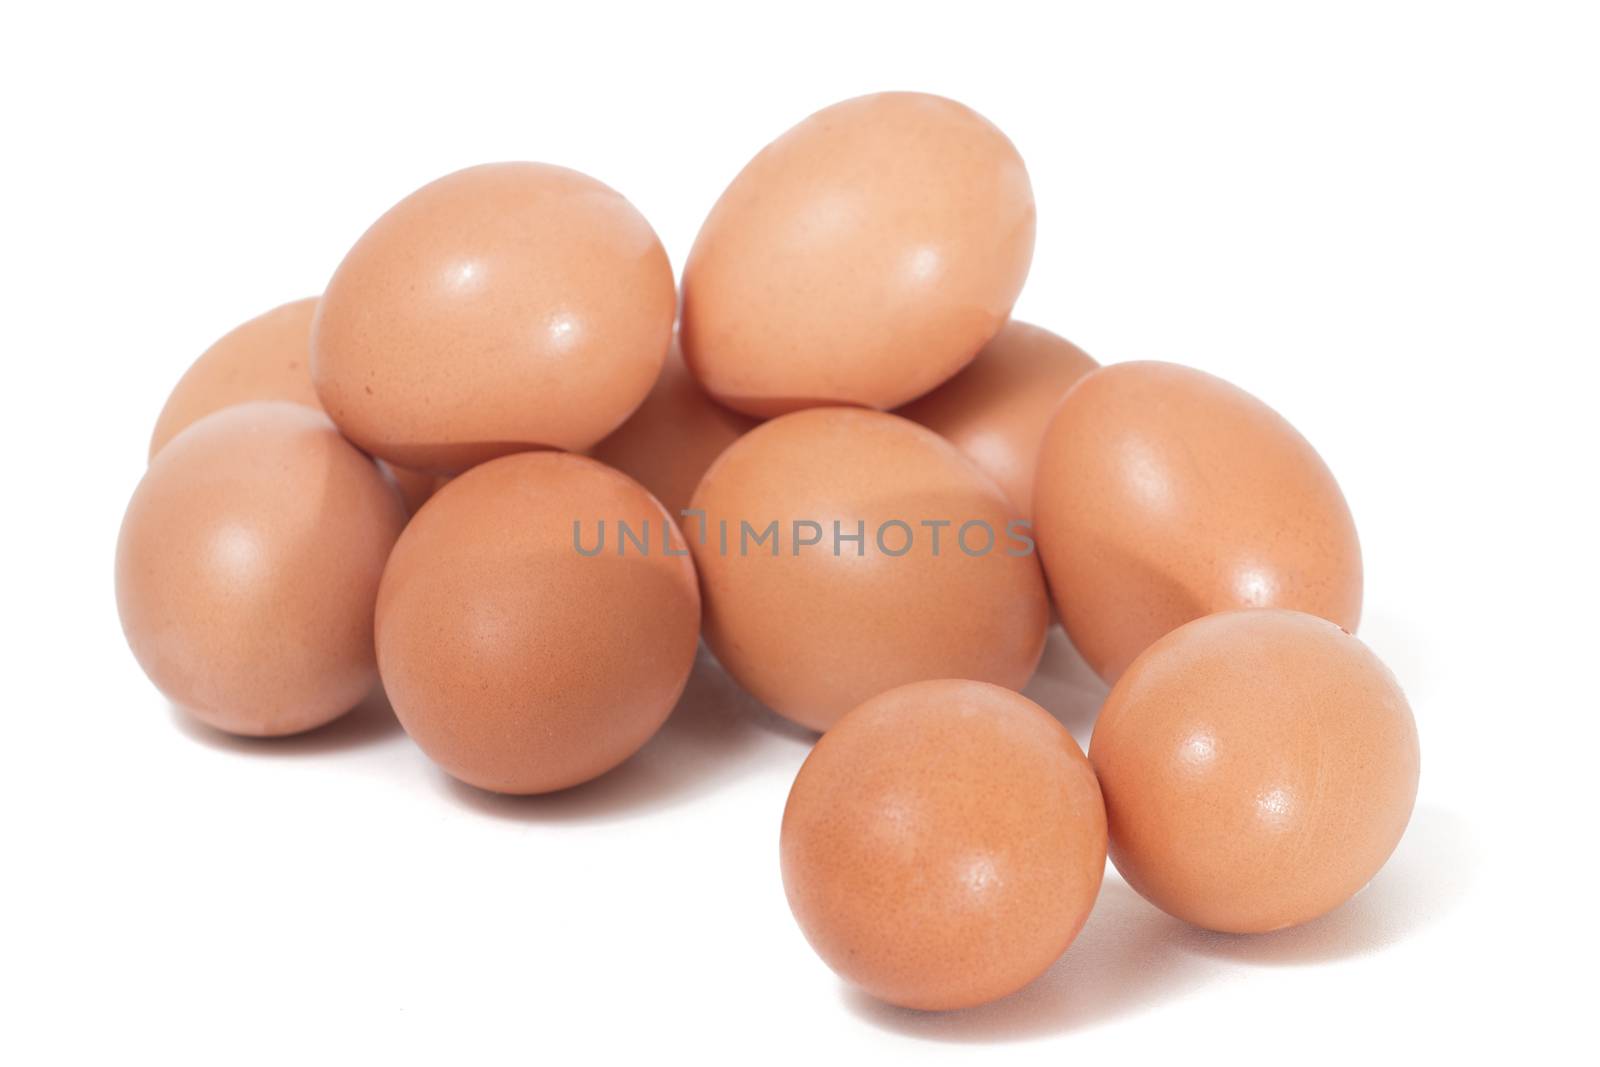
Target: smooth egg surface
<point>1164,494</point>
<point>267,358</point>
<point>517,660</point>
<point>501,308</point>
<point>928,579</point>
<point>248,567</point>
<point>943,844</point>
<point>1258,768</point>
<point>667,445</point>
<point>997,409</point>
<point>861,258</point>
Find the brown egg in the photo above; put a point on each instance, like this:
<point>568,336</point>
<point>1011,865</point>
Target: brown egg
<point>861,258</point>
<point>248,567</point>
<point>501,308</point>
<point>996,410</point>
<point>518,655</point>
<point>268,358</point>
<point>943,844</point>
<point>669,442</point>
<point>1258,768</point>
<point>813,619</point>
<point>1165,494</point>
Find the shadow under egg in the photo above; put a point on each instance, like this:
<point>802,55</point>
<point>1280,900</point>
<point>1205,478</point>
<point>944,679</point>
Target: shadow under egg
<point>716,734</point>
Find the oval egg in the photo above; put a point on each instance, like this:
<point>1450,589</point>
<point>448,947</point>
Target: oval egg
<point>1164,494</point>
<point>828,576</point>
<point>1258,767</point>
<point>248,567</point>
<point>505,307</point>
<point>861,258</point>
<point>520,661</point>
<point>943,844</point>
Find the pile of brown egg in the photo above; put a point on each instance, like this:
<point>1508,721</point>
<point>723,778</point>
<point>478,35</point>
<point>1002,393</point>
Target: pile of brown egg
<point>481,468</point>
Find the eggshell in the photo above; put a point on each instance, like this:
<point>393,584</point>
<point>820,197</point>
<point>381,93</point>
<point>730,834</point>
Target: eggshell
<point>1258,766</point>
<point>267,358</point>
<point>669,442</point>
<point>997,409</point>
<point>504,307</point>
<point>248,567</point>
<point>517,663</point>
<point>943,844</point>
<point>1164,494</point>
<point>861,258</point>
<point>812,633</point>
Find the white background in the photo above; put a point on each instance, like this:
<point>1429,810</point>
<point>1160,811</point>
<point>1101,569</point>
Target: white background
<point>1379,218</point>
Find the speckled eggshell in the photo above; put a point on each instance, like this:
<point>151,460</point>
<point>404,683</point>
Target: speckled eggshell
<point>1258,766</point>
<point>997,409</point>
<point>812,634</point>
<point>861,258</point>
<point>248,567</point>
<point>518,664</point>
<point>267,358</point>
<point>667,445</point>
<point>504,307</point>
<point>1164,494</point>
<point>943,844</point>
